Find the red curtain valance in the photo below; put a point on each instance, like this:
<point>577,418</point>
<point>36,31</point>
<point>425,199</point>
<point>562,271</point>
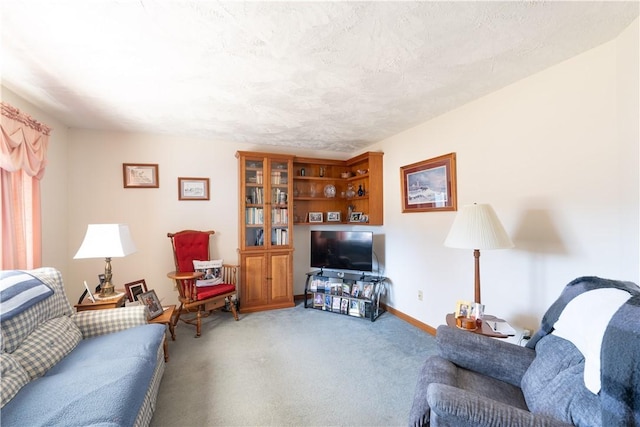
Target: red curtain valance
<point>23,142</point>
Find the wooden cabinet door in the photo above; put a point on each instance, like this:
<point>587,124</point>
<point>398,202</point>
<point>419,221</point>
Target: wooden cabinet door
<point>253,290</point>
<point>281,278</point>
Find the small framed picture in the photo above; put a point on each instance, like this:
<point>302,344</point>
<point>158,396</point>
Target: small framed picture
<point>193,188</point>
<point>140,175</point>
<point>133,289</point>
<point>150,299</point>
<point>333,216</point>
<point>315,216</point>
<point>364,218</point>
<point>355,216</point>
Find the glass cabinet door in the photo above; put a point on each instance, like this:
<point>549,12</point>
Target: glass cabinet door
<point>279,219</point>
<point>254,192</point>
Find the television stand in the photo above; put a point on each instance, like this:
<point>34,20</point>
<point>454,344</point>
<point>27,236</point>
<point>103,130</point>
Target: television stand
<point>351,294</point>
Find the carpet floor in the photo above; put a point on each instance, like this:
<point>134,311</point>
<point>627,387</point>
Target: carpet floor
<point>292,367</point>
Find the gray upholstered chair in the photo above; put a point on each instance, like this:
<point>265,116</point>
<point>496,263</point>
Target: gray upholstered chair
<point>481,381</point>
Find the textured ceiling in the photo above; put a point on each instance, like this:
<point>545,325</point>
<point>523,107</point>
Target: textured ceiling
<point>323,75</point>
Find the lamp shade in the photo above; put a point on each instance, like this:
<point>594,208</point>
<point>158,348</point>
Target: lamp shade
<point>106,241</point>
<point>477,227</point>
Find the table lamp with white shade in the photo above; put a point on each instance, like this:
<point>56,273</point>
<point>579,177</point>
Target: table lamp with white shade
<point>106,241</point>
<point>477,227</point>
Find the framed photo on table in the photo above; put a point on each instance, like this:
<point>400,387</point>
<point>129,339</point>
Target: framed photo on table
<point>133,289</point>
<point>150,299</point>
<point>140,175</point>
<point>430,185</point>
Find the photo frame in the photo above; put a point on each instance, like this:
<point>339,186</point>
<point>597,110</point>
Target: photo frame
<point>333,216</point>
<point>193,188</point>
<point>151,301</point>
<point>430,185</point>
<point>89,293</point>
<point>133,289</point>
<point>315,216</point>
<point>140,175</point>
<point>355,217</point>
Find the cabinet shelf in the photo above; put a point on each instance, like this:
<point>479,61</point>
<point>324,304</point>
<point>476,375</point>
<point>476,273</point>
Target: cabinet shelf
<point>335,173</point>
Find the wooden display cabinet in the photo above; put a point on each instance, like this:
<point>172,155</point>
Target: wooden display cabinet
<point>327,185</point>
<point>266,231</point>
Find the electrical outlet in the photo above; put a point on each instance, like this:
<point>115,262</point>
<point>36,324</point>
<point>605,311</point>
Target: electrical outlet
<point>419,295</point>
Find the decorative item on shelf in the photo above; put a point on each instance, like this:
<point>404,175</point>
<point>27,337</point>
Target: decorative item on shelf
<point>477,227</point>
<point>106,241</point>
<point>360,190</point>
<point>302,172</point>
<point>329,191</point>
<point>345,175</point>
<point>312,191</point>
<point>350,191</point>
<point>321,172</point>
<point>362,171</point>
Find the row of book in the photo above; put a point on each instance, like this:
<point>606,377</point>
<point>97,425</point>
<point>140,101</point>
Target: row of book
<point>280,236</point>
<point>254,216</point>
<point>334,286</point>
<point>256,196</point>
<point>279,216</point>
<point>337,304</point>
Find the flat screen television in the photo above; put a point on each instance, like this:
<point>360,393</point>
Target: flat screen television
<point>342,250</point>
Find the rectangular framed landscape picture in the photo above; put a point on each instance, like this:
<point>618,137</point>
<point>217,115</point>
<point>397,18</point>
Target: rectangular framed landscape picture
<point>193,188</point>
<point>140,175</point>
<point>430,185</point>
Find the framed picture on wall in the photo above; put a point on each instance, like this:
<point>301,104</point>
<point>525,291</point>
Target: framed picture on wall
<point>193,188</point>
<point>430,185</point>
<point>140,175</point>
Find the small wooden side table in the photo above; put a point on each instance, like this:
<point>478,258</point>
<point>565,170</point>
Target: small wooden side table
<point>166,318</point>
<point>484,329</point>
<point>101,304</point>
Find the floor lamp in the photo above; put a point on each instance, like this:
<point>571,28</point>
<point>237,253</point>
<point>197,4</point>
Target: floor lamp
<point>477,227</point>
<point>106,241</point>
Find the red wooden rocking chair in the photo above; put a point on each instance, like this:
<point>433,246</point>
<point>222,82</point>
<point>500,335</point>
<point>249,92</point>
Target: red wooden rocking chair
<point>190,245</point>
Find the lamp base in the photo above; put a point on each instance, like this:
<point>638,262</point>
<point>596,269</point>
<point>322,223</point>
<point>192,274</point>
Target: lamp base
<point>106,289</point>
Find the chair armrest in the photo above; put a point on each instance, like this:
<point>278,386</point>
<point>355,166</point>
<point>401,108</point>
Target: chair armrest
<point>480,353</point>
<point>452,406</point>
<point>100,322</point>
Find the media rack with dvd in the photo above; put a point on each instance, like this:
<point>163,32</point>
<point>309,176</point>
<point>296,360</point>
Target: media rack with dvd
<point>350,294</point>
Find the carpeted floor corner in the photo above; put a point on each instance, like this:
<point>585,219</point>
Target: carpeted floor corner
<point>292,367</point>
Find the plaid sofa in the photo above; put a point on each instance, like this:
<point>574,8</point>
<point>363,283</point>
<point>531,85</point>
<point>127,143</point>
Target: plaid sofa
<point>59,367</point>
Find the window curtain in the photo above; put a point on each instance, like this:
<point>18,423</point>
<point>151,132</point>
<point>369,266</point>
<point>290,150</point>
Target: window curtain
<point>23,157</point>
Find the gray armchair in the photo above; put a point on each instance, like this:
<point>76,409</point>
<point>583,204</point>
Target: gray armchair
<point>481,381</point>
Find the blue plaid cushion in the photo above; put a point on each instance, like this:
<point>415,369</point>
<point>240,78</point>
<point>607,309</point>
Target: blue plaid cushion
<point>13,377</point>
<point>47,345</point>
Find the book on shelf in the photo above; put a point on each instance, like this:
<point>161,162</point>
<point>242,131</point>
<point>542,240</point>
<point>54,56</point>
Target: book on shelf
<point>335,306</point>
<point>354,308</point>
<point>318,300</point>
<point>355,290</point>
<point>346,289</point>
<point>367,292</point>
<point>327,303</point>
<point>344,306</point>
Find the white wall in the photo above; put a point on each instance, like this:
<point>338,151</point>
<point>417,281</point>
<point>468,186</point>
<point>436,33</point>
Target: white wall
<point>556,155</point>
